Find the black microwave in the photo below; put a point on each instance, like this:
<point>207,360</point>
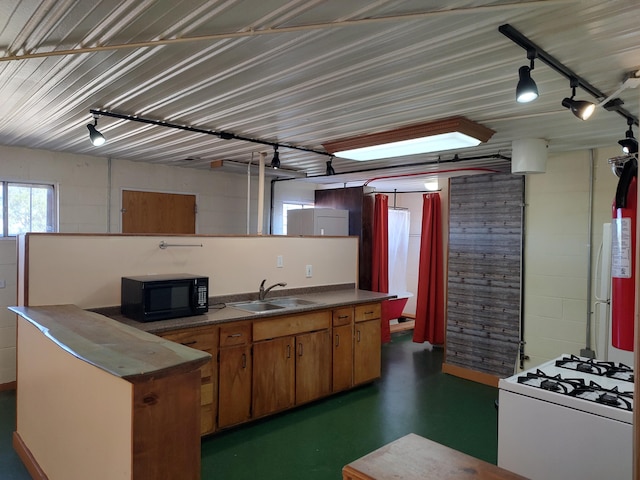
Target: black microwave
<point>148,298</point>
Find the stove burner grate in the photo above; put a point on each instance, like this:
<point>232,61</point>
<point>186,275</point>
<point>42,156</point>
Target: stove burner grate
<point>611,397</point>
<point>618,371</point>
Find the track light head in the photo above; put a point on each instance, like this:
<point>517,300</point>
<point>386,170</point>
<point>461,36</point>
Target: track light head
<point>629,144</point>
<point>94,135</point>
<point>330,170</point>
<point>527,90</point>
<point>580,108</point>
<point>275,161</point>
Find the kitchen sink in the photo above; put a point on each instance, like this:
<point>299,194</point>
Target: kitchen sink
<point>255,306</point>
<point>272,304</point>
<point>290,302</point>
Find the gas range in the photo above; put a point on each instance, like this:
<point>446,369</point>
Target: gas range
<point>564,411</point>
<point>597,387</point>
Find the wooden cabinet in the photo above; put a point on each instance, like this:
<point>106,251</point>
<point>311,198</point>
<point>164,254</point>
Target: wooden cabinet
<point>313,366</point>
<point>205,339</point>
<point>274,375</point>
<point>235,373</point>
<point>342,368</point>
<point>366,349</point>
<point>292,361</point>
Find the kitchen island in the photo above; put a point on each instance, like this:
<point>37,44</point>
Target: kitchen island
<point>133,398</point>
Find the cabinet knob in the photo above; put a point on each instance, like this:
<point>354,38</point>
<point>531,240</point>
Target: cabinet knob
<point>337,340</point>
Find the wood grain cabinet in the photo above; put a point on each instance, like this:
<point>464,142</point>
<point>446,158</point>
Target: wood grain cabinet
<point>235,365</point>
<point>292,361</point>
<point>342,348</point>
<point>366,349</point>
<point>205,339</point>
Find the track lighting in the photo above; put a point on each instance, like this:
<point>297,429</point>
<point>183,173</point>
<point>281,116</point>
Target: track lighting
<point>94,135</point>
<point>275,161</point>
<point>330,170</point>
<point>629,144</point>
<point>580,108</point>
<point>527,90</point>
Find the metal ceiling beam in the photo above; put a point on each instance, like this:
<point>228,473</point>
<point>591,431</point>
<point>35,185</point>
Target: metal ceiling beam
<point>546,58</point>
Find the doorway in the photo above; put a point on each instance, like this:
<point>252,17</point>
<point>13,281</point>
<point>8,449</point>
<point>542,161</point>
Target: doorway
<point>155,212</point>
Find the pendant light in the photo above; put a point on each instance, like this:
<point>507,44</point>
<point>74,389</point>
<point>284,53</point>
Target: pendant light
<point>580,108</point>
<point>527,90</point>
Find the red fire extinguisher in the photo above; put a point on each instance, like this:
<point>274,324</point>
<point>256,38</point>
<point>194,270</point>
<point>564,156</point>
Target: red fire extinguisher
<point>623,257</point>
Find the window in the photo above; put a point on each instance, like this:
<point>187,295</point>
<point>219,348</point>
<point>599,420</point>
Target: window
<point>26,207</point>
<point>291,206</point>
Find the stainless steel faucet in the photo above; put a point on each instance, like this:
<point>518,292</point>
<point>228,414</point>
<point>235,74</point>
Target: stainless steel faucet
<point>263,291</point>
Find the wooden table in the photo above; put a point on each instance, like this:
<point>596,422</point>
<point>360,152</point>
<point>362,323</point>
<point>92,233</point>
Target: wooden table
<point>413,457</point>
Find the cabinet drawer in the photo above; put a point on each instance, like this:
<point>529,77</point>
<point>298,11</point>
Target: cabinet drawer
<point>291,325</point>
<point>235,334</point>
<point>367,312</point>
<point>342,316</point>
<point>198,338</point>
<point>206,394</point>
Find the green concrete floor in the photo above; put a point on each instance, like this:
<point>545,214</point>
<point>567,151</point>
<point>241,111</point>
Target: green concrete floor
<point>317,440</point>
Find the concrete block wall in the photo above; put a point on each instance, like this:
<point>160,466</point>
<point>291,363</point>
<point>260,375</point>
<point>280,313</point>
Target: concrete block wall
<point>557,243</point>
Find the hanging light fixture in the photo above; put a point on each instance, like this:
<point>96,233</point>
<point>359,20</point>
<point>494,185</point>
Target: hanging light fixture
<point>527,90</point>
<point>94,135</point>
<point>439,135</point>
<point>580,108</point>
<point>275,161</point>
<point>330,170</point>
<point>629,144</point>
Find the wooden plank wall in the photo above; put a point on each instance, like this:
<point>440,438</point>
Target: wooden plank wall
<point>484,287</point>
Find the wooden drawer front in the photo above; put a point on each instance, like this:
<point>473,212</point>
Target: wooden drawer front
<point>206,394</point>
<point>367,312</point>
<point>198,338</point>
<point>206,419</point>
<point>291,325</point>
<point>235,334</point>
<point>342,316</point>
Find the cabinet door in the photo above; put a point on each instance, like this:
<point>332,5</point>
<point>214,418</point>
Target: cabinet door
<point>313,366</point>
<point>204,339</point>
<point>366,354</point>
<point>342,357</point>
<point>234,386</point>
<point>274,375</point>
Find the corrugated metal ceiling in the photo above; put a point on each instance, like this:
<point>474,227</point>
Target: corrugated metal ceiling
<point>303,72</point>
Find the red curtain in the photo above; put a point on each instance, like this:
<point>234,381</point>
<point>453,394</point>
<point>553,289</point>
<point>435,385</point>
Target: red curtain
<point>429,324</point>
<point>380,257</point>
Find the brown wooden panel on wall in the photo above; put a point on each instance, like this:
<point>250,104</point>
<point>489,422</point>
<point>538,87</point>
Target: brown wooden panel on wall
<point>484,293</point>
<point>360,208</point>
<point>154,212</point>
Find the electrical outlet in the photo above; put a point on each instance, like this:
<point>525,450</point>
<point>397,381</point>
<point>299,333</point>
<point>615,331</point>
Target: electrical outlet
<point>279,261</point>
<point>3,284</point>
<point>309,271</point>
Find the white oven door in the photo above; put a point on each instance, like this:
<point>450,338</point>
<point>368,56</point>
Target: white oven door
<point>545,441</point>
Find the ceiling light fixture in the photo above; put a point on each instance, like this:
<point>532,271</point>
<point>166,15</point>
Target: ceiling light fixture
<point>94,135</point>
<point>580,108</point>
<point>330,170</point>
<point>439,135</point>
<point>527,90</point>
<point>629,144</point>
<point>275,161</point>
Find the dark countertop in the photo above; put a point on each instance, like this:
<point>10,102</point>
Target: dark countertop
<point>324,298</point>
<point>112,346</point>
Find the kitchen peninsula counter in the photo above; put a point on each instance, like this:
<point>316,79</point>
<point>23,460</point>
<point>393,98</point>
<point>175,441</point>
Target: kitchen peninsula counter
<point>126,401</point>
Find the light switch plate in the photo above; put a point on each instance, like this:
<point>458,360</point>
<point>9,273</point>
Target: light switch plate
<point>309,271</point>
<point>279,261</point>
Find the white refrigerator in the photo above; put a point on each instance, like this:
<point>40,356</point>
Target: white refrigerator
<point>602,308</point>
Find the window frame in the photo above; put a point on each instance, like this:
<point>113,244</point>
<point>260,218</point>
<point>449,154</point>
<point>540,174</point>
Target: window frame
<point>51,206</point>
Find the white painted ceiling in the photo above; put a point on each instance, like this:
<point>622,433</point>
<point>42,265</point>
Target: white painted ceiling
<point>305,72</point>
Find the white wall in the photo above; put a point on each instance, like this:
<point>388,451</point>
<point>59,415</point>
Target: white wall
<point>290,191</point>
<point>556,250</point>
